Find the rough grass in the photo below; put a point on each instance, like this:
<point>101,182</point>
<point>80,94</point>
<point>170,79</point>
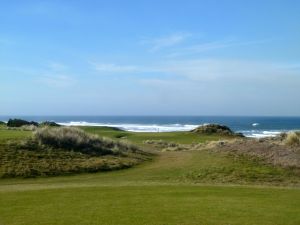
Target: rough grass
<point>272,150</point>
<point>18,162</point>
<point>58,151</point>
<point>292,139</point>
<point>78,140</point>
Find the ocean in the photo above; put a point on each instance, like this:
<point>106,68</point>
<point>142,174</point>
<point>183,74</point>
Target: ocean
<point>250,126</point>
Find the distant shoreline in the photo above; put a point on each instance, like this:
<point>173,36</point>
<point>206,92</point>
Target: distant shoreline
<point>256,126</point>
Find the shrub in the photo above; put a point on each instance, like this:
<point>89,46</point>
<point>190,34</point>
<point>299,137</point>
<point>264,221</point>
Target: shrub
<point>78,140</point>
<point>19,123</point>
<point>28,127</point>
<point>292,139</point>
<point>2,123</point>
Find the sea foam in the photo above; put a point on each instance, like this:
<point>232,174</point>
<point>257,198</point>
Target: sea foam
<point>137,127</point>
<point>260,133</point>
<point>254,133</point>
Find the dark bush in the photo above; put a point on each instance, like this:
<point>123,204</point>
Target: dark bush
<point>20,122</point>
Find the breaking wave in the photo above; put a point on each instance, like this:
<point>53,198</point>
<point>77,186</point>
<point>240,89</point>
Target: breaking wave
<point>261,133</point>
<point>169,128</point>
<point>137,127</point>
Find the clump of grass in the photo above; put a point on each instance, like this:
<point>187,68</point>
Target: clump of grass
<point>166,146</point>
<point>21,162</point>
<point>78,140</point>
<point>52,151</point>
<point>292,139</point>
<point>175,148</point>
<point>23,128</point>
<point>28,127</point>
<point>160,143</point>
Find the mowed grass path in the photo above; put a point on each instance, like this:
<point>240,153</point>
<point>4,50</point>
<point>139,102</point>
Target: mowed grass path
<point>176,188</point>
<point>158,193</point>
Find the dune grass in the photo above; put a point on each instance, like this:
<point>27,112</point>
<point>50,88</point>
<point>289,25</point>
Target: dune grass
<point>70,138</point>
<point>292,139</point>
<point>56,151</point>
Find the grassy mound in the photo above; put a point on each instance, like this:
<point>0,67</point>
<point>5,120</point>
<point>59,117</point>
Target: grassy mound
<point>215,129</point>
<point>80,141</point>
<point>274,150</point>
<point>57,151</point>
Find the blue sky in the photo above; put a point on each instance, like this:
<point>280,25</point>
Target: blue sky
<point>140,57</point>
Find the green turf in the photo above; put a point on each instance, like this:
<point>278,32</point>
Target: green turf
<point>139,138</point>
<point>176,188</point>
<point>13,134</point>
<point>177,137</point>
<point>158,192</point>
<point>151,205</point>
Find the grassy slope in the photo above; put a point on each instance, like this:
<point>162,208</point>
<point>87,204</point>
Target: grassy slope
<point>17,161</point>
<point>168,190</point>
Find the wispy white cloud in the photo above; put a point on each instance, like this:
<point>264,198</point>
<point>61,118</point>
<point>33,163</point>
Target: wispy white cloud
<point>220,72</point>
<point>166,41</point>
<point>51,76</point>
<point>209,70</point>
<point>114,68</point>
<point>57,80</point>
<point>227,86</point>
<point>179,44</point>
<point>57,66</point>
<point>213,45</point>
<point>221,44</point>
<point>57,75</point>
